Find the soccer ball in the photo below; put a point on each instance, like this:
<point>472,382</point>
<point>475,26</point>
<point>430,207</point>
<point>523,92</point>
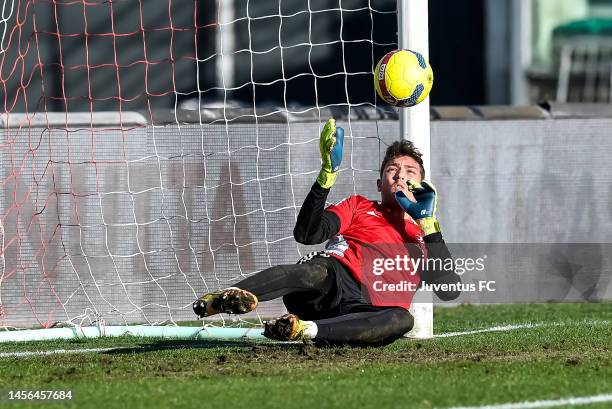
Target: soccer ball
<point>403,78</point>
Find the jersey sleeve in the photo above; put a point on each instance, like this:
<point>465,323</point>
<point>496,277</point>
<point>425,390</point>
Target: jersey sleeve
<point>314,225</point>
<point>344,209</point>
<point>437,249</point>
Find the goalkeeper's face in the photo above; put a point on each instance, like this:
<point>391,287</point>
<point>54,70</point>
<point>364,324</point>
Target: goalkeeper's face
<point>395,176</point>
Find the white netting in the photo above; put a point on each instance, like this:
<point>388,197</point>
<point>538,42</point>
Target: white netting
<point>123,217</point>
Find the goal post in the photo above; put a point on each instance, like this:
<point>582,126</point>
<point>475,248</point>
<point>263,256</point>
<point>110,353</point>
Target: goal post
<point>413,34</point>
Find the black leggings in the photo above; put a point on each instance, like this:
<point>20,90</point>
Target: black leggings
<point>377,326</point>
<point>277,281</point>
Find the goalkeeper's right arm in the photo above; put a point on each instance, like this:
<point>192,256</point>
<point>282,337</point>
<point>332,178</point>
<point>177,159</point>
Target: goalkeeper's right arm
<point>314,225</point>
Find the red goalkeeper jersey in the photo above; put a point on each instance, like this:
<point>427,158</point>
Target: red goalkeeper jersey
<point>367,234</point>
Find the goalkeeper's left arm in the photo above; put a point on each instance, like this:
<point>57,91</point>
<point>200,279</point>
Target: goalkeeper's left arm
<point>423,211</point>
<point>314,225</point>
<point>437,250</point>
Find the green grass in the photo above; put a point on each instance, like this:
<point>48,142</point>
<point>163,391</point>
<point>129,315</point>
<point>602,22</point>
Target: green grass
<point>569,355</point>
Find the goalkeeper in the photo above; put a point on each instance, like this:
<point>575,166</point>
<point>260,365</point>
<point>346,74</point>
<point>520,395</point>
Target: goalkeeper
<point>332,296</point>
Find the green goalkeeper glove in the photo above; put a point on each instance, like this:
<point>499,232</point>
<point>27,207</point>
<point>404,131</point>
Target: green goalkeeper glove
<point>424,210</point>
<point>330,145</point>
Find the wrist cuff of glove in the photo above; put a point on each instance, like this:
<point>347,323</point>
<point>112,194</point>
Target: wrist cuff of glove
<point>326,179</point>
<point>429,225</point>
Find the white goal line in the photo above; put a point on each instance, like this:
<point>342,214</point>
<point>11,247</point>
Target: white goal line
<point>492,329</point>
<point>512,327</point>
<point>585,400</point>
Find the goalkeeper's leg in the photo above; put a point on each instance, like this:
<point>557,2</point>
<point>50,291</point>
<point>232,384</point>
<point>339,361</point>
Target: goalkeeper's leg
<point>373,328</point>
<point>277,281</point>
<point>266,285</point>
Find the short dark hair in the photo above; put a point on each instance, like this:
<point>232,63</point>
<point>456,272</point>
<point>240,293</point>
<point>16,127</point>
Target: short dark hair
<point>402,148</point>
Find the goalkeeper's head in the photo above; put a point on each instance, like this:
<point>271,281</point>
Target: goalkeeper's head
<point>402,162</point>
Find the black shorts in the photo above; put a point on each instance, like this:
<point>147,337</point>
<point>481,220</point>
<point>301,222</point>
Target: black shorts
<point>343,295</point>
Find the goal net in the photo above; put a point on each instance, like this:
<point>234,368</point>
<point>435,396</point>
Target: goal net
<point>152,152</point>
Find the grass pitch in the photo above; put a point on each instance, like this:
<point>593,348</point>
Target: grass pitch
<point>566,353</point>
